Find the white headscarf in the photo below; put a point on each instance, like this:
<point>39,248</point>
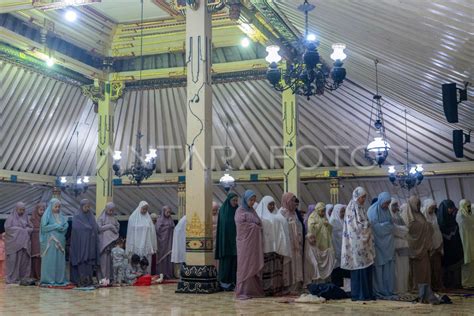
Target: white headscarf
<point>276,236</point>
<point>329,207</point>
<point>433,220</point>
<point>337,224</point>
<point>141,236</point>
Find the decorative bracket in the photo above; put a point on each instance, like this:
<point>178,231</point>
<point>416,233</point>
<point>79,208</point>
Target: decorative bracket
<point>95,91</point>
<point>116,91</point>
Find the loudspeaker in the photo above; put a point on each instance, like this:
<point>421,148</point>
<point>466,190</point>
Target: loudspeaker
<point>450,102</point>
<point>458,143</point>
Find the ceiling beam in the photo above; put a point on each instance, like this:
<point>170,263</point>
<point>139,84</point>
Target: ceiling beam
<point>36,50</point>
<point>180,72</point>
<point>322,173</point>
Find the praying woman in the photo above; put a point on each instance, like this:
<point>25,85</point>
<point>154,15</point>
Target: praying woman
<point>358,251</point>
<point>249,249</point>
<point>18,230</point>
<point>84,254</point>
<point>53,243</point>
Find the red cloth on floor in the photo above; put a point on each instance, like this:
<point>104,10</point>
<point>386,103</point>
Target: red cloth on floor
<point>144,280</point>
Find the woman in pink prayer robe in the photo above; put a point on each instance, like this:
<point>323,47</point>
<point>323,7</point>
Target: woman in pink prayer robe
<point>249,250</point>
<point>18,245</point>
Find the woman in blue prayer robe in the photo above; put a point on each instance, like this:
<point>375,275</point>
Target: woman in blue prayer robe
<point>53,242</point>
<point>384,239</point>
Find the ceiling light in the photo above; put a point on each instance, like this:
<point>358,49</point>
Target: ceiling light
<point>50,62</point>
<point>311,37</point>
<point>245,42</point>
<point>70,15</point>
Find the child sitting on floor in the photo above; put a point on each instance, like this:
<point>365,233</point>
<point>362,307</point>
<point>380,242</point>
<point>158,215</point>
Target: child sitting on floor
<point>133,270</point>
<point>119,262</point>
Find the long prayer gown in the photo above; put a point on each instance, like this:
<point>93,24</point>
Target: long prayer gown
<point>249,254</point>
<point>164,236</point>
<point>108,234</point>
<point>402,262</point>
<point>84,254</point>
<point>466,228</point>
<point>178,251</point>
<point>53,244</point>
<point>358,251</point>
<point>384,266</point>
<point>35,220</point>
<point>17,247</point>
<point>226,249</point>
<point>319,258</point>
<point>293,270</point>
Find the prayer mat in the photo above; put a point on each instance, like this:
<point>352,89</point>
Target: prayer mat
<point>60,287</point>
<point>85,288</point>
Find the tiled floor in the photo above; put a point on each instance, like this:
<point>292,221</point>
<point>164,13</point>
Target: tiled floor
<point>161,299</point>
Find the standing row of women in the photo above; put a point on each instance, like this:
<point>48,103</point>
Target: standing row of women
<point>36,246</point>
<point>386,250</point>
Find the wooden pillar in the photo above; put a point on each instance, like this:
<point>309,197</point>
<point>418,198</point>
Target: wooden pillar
<point>199,274</point>
<point>105,149</point>
<point>290,142</point>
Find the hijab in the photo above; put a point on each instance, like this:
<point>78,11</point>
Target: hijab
<point>141,236</point>
<point>382,227</point>
<point>420,232</point>
<point>50,218</point>
<point>466,228</point>
<point>329,207</point>
<point>84,236</point>
<point>357,241</point>
<point>245,200</point>
<point>308,214</point>
<point>446,221</point>
<point>317,226</point>
<point>226,231</point>
<point>36,217</point>
<point>397,219</point>
<point>337,224</point>
<point>286,202</point>
<point>433,220</point>
<point>17,231</point>
<point>163,222</point>
<point>275,229</point>
<point>108,235</point>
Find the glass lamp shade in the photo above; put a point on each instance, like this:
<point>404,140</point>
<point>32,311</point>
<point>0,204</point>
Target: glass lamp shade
<point>117,155</point>
<point>273,56</point>
<point>378,145</point>
<point>63,180</point>
<point>152,153</point>
<point>79,181</point>
<point>338,53</point>
<point>227,181</point>
<point>85,179</point>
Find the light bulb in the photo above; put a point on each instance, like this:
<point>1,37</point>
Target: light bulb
<point>70,15</point>
<point>79,181</point>
<point>338,53</point>
<point>419,168</point>
<point>391,169</point>
<point>273,56</point>
<point>245,42</point>
<point>147,158</point>
<point>50,62</point>
<point>152,153</point>
<point>412,170</point>
<point>117,155</point>
<point>311,37</point>
<point>86,179</point>
<point>63,180</point>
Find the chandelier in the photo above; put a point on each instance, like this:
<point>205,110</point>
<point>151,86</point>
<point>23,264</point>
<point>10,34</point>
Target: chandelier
<point>140,169</point>
<point>78,185</point>
<point>377,150</point>
<point>227,181</point>
<point>306,74</point>
<point>410,175</point>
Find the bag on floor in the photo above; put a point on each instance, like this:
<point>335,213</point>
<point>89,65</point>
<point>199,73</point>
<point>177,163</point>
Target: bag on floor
<point>329,291</point>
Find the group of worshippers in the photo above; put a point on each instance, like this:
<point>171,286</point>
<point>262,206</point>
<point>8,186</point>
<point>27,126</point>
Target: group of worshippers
<point>35,245</point>
<point>387,250</point>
